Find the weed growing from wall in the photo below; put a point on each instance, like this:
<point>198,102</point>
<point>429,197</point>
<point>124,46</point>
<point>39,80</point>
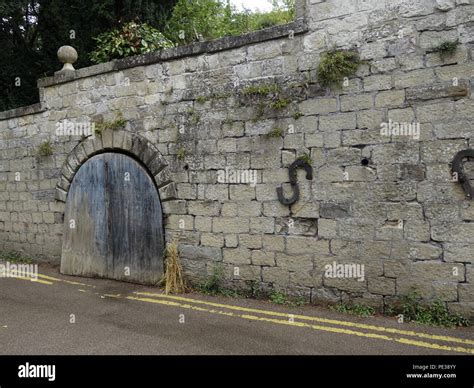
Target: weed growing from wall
<point>275,133</point>
<point>336,65</point>
<point>45,149</point>
<point>447,49</point>
<point>305,158</point>
<point>118,123</point>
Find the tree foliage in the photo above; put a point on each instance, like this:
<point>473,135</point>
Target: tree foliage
<point>20,59</point>
<point>31,31</point>
<point>197,20</point>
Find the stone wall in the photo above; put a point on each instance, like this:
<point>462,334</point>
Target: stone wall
<point>387,202</point>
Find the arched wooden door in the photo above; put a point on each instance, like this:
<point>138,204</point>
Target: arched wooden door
<point>113,222</point>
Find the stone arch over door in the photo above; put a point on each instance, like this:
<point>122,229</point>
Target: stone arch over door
<point>112,186</point>
<point>118,141</point>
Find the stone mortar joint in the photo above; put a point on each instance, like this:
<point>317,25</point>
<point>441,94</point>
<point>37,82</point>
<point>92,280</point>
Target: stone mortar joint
<point>67,55</point>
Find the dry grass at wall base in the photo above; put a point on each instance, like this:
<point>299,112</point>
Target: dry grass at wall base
<point>173,278</point>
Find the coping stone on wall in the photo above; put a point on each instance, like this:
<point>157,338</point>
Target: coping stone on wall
<point>229,42</point>
<point>23,111</point>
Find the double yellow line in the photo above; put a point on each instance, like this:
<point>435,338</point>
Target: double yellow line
<point>408,337</point>
<point>49,280</point>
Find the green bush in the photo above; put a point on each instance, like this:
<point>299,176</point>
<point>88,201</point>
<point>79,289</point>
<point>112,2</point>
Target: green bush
<point>356,309</point>
<point>278,297</point>
<point>212,286</point>
<point>132,39</point>
<point>15,257</point>
<point>435,314</point>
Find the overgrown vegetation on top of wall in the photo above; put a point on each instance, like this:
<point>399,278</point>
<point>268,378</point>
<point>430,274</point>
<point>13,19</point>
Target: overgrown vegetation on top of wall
<point>190,21</point>
<point>131,39</point>
<point>32,31</point>
<point>211,19</point>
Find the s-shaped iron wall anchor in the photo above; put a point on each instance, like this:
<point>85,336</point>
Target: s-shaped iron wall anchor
<point>292,172</point>
<point>458,170</point>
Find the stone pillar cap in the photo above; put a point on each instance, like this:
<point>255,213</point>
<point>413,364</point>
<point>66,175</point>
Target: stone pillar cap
<point>67,55</point>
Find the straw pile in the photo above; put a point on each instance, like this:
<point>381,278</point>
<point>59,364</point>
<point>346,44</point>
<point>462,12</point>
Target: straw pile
<point>174,281</point>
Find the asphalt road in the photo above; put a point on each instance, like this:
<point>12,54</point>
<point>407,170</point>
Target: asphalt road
<point>68,315</point>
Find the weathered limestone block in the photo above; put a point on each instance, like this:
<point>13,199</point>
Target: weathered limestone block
<point>419,8</point>
<point>203,223</point>
<point>391,99</point>
<point>352,103</point>
<point>445,5</point>
<point>212,240</point>
<point>370,119</point>
<point>455,73</point>
<point>338,121</point>
<point>168,192</point>
<point>262,225</point>
<point>180,222</point>
<point>377,82</point>
<point>204,208</point>
<point>413,78</point>
<point>381,286</point>
<point>174,207</point>
<point>200,253</point>
<point>272,243</point>
<point>263,258</point>
<point>438,91</point>
<point>432,39</point>
<point>247,272</point>
<point>237,256</point>
<point>453,232</point>
<point>278,276</point>
<point>231,225</point>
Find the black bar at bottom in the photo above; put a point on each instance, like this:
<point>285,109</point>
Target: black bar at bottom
<point>318,371</point>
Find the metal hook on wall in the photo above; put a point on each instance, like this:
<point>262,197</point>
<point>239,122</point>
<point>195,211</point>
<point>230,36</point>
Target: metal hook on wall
<point>293,174</point>
<point>458,169</point>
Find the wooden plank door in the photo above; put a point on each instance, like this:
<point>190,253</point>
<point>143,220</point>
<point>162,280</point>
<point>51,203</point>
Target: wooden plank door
<point>113,222</point>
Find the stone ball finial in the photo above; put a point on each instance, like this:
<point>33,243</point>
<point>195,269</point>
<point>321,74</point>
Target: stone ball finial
<point>67,55</point>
